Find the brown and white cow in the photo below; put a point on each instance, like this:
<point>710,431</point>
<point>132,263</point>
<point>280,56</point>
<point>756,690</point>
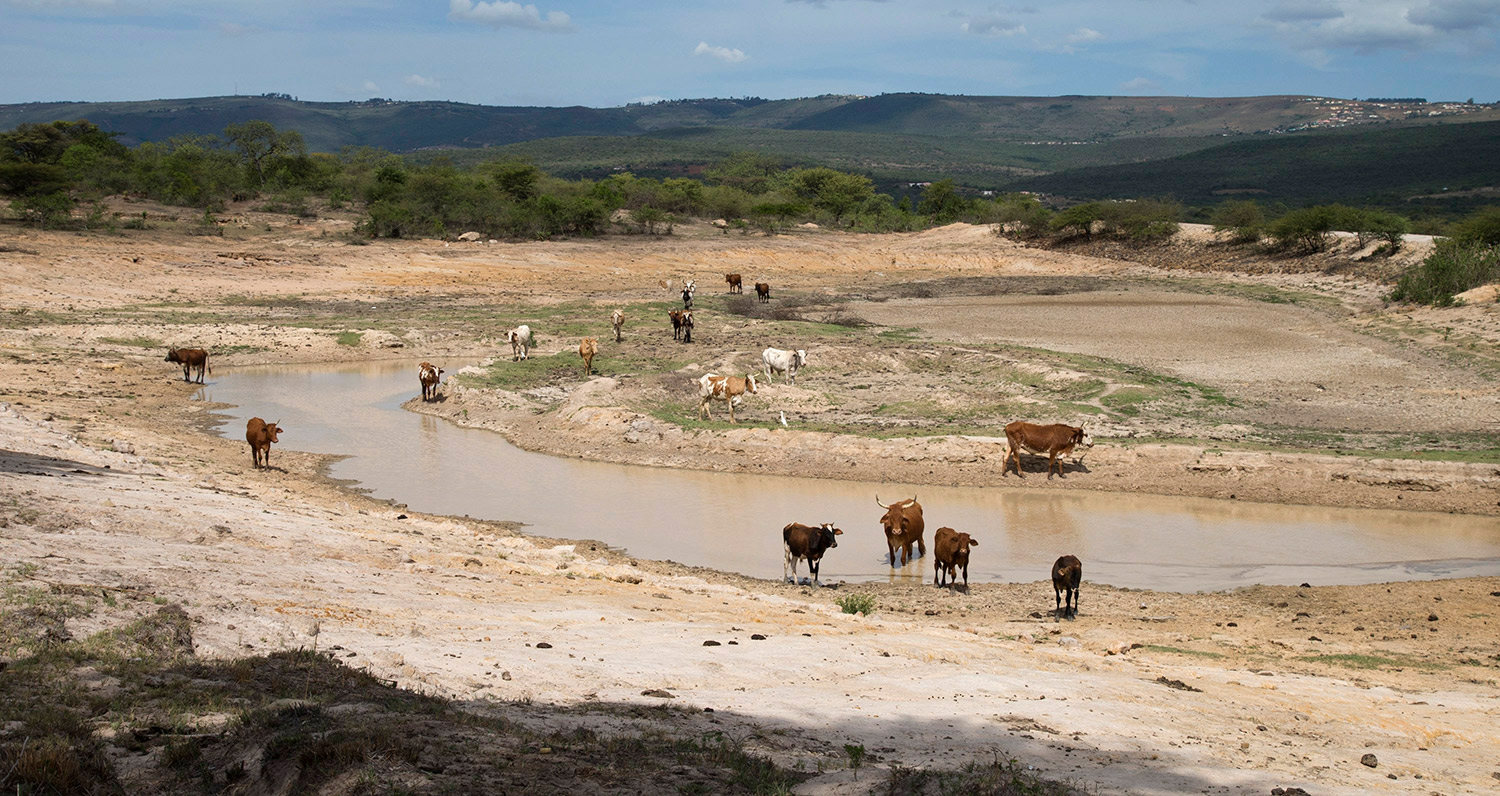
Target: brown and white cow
<point>950,550</point>
<point>763,291</point>
<point>1054,440</point>
<point>687,326</point>
<point>729,389</point>
<point>191,359</point>
<point>617,320</point>
<point>903,526</point>
<point>429,376</point>
<point>260,435</point>
<point>521,342</point>
<point>804,542</point>
<point>736,284</point>
<point>588,349</point>
<point>1067,573</point>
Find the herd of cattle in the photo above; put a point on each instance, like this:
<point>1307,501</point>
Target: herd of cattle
<point>902,520</point>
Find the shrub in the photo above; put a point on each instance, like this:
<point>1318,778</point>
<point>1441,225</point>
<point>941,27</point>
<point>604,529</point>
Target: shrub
<point>1021,216</point>
<point>1480,227</point>
<point>1077,220</point>
<point>1141,220</point>
<point>1382,226</point>
<point>1242,219</point>
<point>1452,268</point>
<point>1305,230</point>
<point>857,604</point>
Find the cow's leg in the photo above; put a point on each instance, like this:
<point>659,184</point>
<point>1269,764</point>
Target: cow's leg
<point>1050,462</point>
<point>730,401</point>
<point>966,577</point>
<point>1057,592</point>
<point>812,564</point>
<point>1016,452</point>
<point>703,409</point>
<point>1074,609</point>
<point>937,572</point>
<point>789,566</point>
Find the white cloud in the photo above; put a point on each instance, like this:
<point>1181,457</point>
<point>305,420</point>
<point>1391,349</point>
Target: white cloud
<point>1084,36</point>
<point>728,55</point>
<point>369,85</point>
<point>1370,26</point>
<point>993,25</point>
<point>1140,85</point>
<point>1456,15</point>
<point>418,81</point>
<point>505,14</point>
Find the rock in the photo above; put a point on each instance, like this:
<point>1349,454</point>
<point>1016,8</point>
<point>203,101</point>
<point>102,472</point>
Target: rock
<point>1177,684</point>
<point>711,643</point>
<point>1432,617</point>
<point>542,645</point>
<point>720,223</point>
<point>658,693</point>
<point>1369,760</point>
<point>757,637</point>
<point>122,446</point>
<point>470,236</point>
<point>505,676</point>
<point>1067,641</point>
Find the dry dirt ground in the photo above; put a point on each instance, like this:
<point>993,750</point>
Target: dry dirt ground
<point>115,497</point>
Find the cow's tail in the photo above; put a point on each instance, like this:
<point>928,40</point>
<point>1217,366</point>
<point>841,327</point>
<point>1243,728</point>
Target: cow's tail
<point>208,365</point>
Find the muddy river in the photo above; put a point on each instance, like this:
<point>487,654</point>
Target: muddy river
<point>733,522</point>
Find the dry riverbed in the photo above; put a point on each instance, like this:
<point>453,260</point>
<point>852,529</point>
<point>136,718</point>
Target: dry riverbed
<point>548,660</point>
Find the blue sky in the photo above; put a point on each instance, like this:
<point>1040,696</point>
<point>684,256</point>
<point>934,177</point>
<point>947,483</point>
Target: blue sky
<point>591,52</point>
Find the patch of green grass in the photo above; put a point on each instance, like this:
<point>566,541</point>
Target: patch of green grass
<point>1127,401</point>
<point>1389,660</point>
<point>857,604</point>
<point>1182,651</point>
<point>349,338</point>
<point>134,342</point>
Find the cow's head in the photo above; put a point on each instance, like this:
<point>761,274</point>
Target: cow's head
<point>273,429</point>
<point>1081,439</point>
<point>962,543</point>
<point>829,532</point>
<point>895,519</point>
<point>750,384</point>
<point>687,318</point>
<point>801,357</point>
<point>172,355</point>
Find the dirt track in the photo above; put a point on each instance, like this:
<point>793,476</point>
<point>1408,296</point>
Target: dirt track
<point>1296,684</point>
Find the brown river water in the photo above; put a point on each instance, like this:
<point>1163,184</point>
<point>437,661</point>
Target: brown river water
<point>733,522</point>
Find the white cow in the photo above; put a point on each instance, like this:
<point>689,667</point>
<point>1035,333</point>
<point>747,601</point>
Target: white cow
<point>520,342</point>
<point>786,362</point>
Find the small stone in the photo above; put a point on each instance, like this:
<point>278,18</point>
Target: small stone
<point>658,693</point>
<point>542,645</point>
<point>1390,776</point>
<point>1369,760</point>
<point>711,643</point>
<point>757,637</point>
<point>1231,624</point>
<point>1260,727</point>
<point>708,710</point>
<point>1306,586</point>
<point>1301,716</point>
<point>505,676</point>
<point>1432,617</point>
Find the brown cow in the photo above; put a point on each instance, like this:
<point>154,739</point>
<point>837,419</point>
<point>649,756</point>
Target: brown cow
<point>729,389</point>
<point>903,525</point>
<point>587,349</point>
<point>687,326</point>
<point>617,320</point>
<point>950,550</point>
<point>809,543</point>
<point>676,317</point>
<point>763,291</point>
<point>190,359</point>
<point>1054,440</point>
<point>736,285</point>
<point>428,376</point>
<point>1067,572</point>
<point>260,435</point>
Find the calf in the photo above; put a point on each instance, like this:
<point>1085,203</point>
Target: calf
<point>729,389</point>
<point>617,320</point>
<point>1054,440</point>
<point>809,543</point>
<point>190,359</point>
<point>687,299</point>
<point>260,435</point>
<point>950,550</point>
<point>587,349</point>
<point>520,342</point>
<point>687,326</point>
<point>428,376</point>
<point>676,316</point>
<point>903,526</point>
<point>736,285</point>
<point>763,291</point>
<point>1067,572</point>
<point>782,361</point>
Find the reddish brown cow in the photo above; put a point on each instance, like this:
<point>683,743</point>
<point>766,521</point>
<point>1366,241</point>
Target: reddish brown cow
<point>676,316</point>
<point>736,284</point>
<point>428,376</point>
<point>260,435</point>
<point>1067,573</point>
<point>903,526</point>
<point>809,543</point>
<point>190,359</point>
<point>1054,440</point>
<point>950,550</point>
<point>763,291</point>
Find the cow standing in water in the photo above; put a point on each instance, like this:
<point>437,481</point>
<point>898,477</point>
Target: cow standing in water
<point>191,359</point>
<point>903,526</point>
<point>806,543</point>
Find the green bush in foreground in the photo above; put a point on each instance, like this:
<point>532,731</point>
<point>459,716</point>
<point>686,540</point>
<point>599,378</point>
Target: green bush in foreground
<point>1452,268</point>
<point>857,604</point>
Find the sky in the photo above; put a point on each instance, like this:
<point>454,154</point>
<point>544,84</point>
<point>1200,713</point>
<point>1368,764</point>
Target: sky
<point>609,52</point>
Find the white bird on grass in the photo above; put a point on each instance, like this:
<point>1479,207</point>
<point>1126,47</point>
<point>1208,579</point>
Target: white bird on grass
<point>783,419</point>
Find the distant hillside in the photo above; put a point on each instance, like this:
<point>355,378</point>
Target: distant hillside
<point>1378,167</point>
<point>409,126</point>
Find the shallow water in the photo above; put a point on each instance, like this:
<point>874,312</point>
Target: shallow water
<point>733,522</point>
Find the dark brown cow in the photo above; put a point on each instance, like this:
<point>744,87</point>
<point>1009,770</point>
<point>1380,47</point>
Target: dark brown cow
<point>1067,573</point>
<point>676,316</point>
<point>736,284</point>
<point>429,377</point>
<point>190,359</point>
<point>903,526</point>
<point>809,543</point>
<point>687,326</point>
<point>763,291</point>
<point>1054,440</point>
<point>950,550</point>
<point>260,435</point>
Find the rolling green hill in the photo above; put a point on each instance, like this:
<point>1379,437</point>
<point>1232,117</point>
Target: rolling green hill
<point>1377,167</point>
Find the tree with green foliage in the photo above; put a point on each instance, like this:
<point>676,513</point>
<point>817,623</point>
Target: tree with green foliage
<point>1305,230</point>
<point>1452,268</point>
<point>751,172</point>
<point>1480,227</point>
<point>1242,219</point>
<point>834,192</point>
<point>1021,216</point>
<point>1078,220</point>
<point>516,179</point>
<point>259,143</point>
<point>772,217</point>
<point>942,203</point>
